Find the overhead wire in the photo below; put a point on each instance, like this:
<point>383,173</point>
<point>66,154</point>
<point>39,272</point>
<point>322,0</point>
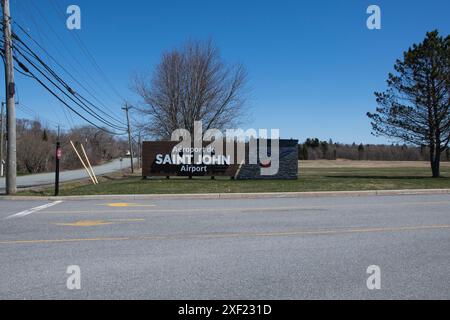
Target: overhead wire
<point>22,29</point>
<point>85,49</point>
<point>26,71</point>
<point>20,48</point>
<point>66,104</point>
<point>29,17</point>
<point>81,105</point>
<point>86,108</point>
<point>60,80</point>
<point>95,82</point>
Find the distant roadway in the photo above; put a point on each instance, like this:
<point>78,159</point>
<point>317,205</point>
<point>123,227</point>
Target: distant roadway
<point>308,248</point>
<point>34,180</point>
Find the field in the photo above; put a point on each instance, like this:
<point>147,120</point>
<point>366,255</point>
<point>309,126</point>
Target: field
<point>337,175</point>
<point>342,163</point>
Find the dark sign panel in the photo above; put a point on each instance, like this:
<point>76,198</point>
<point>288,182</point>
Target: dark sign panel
<point>158,160</point>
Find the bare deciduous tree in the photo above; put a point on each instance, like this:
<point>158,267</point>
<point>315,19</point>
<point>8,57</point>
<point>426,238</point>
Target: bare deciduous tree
<point>191,84</point>
<point>33,147</point>
<point>36,146</point>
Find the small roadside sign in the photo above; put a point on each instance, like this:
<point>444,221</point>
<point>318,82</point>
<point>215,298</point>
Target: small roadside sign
<point>59,153</point>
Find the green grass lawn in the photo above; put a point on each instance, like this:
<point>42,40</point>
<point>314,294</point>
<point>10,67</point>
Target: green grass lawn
<point>311,179</point>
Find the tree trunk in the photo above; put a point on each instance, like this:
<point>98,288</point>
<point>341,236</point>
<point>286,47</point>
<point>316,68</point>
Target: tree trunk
<point>435,165</point>
<point>435,160</point>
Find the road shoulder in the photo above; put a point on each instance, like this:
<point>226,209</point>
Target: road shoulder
<point>236,195</point>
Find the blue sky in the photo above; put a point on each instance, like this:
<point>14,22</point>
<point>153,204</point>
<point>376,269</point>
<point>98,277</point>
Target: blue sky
<point>313,65</point>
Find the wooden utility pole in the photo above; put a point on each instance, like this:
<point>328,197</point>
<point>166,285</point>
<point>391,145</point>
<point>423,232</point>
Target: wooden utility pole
<point>57,160</point>
<point>130,143</point>
<point>2,139</point>
<point>140,150</point>
<point>11,165</point>
<point>2,122</point>
<point>58,157</point>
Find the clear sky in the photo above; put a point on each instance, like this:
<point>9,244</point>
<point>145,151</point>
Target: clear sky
<point>313,65</point>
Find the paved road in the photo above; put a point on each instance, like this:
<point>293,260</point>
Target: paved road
<point>49,178</point>
<point>311,248</point>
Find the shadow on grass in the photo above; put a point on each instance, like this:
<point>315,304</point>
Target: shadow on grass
<point>121,177</point>
<point>388,177</point>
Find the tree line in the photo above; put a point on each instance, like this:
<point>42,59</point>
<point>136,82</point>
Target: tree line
<point>36,148</point>
<point>315,149</point>
<point>36,145</point>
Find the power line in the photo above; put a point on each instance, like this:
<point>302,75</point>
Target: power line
<point>30,17</point>
<point>73,96</point>
<point>67,116</point>
<point>70,51</point>
<point>26,109</point>
<point>26,71</point>
<point>82,101</point>
<point>62,82</point>
<point>21,28</point>
<point>88,53</point>
<point>62,101</point>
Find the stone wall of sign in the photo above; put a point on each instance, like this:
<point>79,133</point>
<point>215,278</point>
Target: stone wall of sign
<point>288,167</point>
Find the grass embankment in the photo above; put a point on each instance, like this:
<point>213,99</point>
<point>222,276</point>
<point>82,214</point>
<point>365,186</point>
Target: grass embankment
<point>330,176</point>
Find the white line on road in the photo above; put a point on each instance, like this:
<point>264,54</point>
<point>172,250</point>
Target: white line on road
<point>33,210</point>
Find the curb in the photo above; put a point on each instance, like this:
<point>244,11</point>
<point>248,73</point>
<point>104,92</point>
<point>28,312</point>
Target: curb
<point>228,196</point>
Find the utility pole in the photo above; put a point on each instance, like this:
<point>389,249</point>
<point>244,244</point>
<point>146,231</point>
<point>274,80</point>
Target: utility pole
<point>127,109</point>
<point>2,121</point>
<point>140,150</point>
<point>2,138</point>
<point>11,187</point>
<point>57,159</point>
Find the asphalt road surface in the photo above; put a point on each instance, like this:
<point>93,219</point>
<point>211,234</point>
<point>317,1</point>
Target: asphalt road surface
<point>310,248</point>
<point>65,176</point>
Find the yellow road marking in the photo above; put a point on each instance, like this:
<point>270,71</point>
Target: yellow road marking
<point>252,209</point>
<point>126,205</point>
<point>62,240</point>
<point>95,223</point>
<point>297,233</point>
<point>85,223</point>
<point>236,235</point>
<point>127,220</point>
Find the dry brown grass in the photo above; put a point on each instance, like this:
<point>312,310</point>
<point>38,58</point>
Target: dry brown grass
<point>341,163</point>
